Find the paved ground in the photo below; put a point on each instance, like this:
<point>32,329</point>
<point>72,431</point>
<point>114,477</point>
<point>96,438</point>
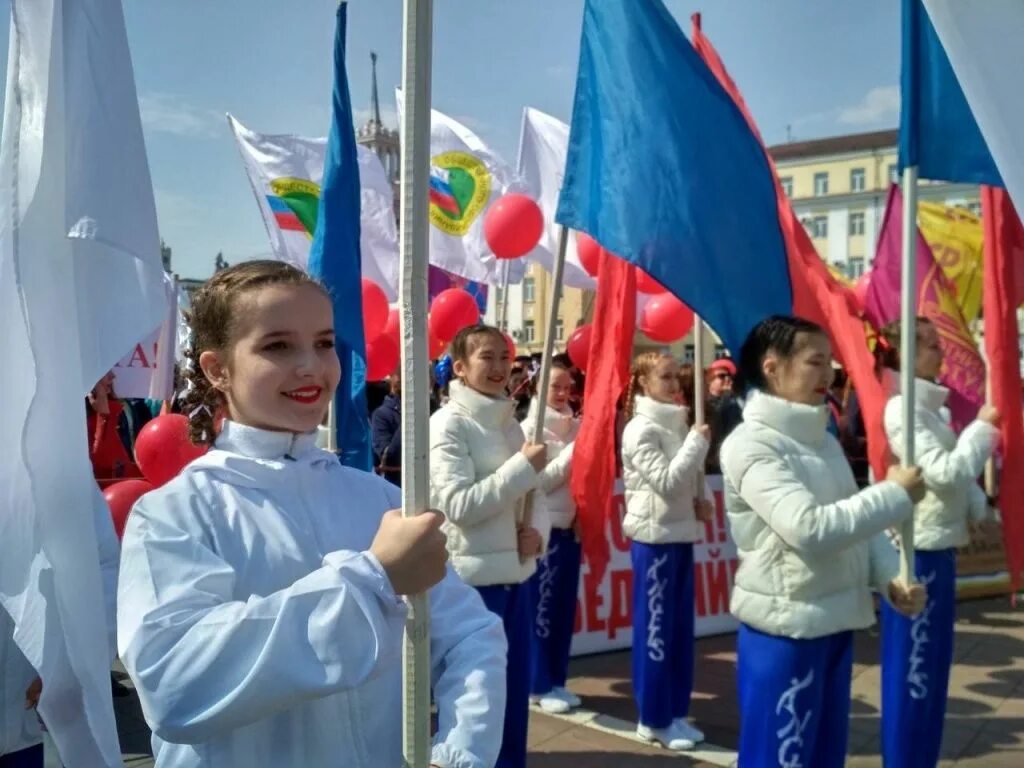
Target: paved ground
<point>984,725</point>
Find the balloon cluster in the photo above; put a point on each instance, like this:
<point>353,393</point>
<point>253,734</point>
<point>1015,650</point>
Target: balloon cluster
<point>162,450</point>
<point>664,317</point>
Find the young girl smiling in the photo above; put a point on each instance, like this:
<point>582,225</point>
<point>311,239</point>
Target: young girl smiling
<point>260,611</point>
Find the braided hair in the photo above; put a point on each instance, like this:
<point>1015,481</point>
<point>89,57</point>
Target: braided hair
<point>643,365</point>
<point>779,334</point>
<point>213,325</point>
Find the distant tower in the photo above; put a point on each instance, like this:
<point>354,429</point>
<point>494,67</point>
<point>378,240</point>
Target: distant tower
<point>378,138</point>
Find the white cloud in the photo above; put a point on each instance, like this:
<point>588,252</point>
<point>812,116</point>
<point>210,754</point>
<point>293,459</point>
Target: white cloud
<point>879,105</point>
<point>166,113</point>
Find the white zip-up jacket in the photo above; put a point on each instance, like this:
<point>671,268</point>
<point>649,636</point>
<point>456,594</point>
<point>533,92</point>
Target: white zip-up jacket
<point>950,466</point>
<point>560,430</point>
<point>661,464</point>
<point>261,631</point>
<point>479,478</point>
<point>810,545</point>
<point>19,727</point>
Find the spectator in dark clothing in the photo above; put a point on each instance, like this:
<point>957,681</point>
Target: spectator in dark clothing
<point>724,411</point>
<point>387,432</point>
<point>853,437</point>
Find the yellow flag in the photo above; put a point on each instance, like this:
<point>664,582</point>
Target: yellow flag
<point>954,235</point>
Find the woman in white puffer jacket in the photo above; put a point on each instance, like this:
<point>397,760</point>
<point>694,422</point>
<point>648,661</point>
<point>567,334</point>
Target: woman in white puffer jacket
<point>810,548</point>
<point>917,653</point>
<point>661,467</point>
<point>558,573</point>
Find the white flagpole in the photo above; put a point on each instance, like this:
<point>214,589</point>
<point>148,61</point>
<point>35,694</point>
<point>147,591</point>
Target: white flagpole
<point>545,362</point>
<point>908,352</point>
<point>415,144</point>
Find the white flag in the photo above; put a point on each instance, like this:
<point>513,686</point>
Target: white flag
<point>983,43</point>
<point>542,151</point>
<point>285,173</point>
<point>148,370</point>
<point>466,176</point>
<point>80,283</point>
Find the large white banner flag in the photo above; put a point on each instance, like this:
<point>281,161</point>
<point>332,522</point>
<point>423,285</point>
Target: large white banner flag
<point>542,150</point>
<point>148,370</point>
<point>466,176</point>
<point>285,173</point>
<point>983,43</point>
<point>81,282</point>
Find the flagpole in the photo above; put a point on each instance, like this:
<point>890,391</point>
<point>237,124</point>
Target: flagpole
<point>699,388</point>
<point>415,148</point>
<point>332,428</point>
<point>545,361</point>
<point>908,352</point>
<point>503,313</point>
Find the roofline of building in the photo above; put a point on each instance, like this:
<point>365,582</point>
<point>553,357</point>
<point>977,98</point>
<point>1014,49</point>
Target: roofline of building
<point>834,145</point>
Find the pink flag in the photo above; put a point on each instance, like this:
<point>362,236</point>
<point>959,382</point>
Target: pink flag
<point>963,369</point>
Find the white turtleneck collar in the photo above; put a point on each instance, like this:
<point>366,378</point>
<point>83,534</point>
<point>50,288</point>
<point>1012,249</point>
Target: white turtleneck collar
<point>928,395</point>
<point>667,414</point>
<point>490,412</point>
<point>257,443</point>
<point>804,423</point>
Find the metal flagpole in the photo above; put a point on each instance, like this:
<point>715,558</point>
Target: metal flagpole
<point>503,309</point>
<point>908,352</point>
<point>545,362</point>
<point>415,147</point>
<point>332,428</point>
<point>699,388</point>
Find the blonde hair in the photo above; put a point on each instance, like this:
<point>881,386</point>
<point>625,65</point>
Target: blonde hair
<point>643,365</point>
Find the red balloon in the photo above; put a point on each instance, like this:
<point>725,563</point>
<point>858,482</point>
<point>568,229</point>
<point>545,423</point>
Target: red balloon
<point>513,226</point>
<point>511,346</point>
<point>450,312</point>
<point>589,252</point>
<point>121,497</point>
<point>435,346</point>
<point>647,284</point>
<point>375,309</point>
<point>382,355</point>
<point>162,448</point>
<point>666,318</point>
<point>578,347</point>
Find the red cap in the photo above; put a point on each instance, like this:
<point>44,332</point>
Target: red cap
<point>724,364</point>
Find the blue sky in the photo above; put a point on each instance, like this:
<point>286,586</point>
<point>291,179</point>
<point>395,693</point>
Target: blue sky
<point>823,68</point>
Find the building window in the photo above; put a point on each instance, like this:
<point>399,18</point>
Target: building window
<point>856,224</point>
<point>821,184</point>
<point>529,287</point>
<point>818,226</point>
<point>894,174</point>
<point>787,185</point>
<point>528,332</point>
<point>855,267</point>
<point>559,330</point>
<point>857,180</point>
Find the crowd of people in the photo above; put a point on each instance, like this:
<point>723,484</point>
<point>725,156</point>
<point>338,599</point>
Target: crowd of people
<point>260,605</point>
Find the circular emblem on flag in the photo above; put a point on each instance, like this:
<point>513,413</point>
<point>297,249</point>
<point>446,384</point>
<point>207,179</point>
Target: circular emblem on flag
<point>460,186</point>
<point>295,204</point>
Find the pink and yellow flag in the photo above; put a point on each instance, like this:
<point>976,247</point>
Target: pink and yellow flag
<point>963,369</point>
<point>955,235</point>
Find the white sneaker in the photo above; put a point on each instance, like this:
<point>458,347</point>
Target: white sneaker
<point>692,732</point>
<point>551,703</point>
<point>670,738</point>
<point>569,697</point>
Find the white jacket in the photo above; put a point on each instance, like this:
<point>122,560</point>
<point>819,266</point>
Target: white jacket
<point>950,467</point>
<point>478,480</point>
<point>19,727</point>
<point>661,464</point>
<point>260,631</point>
<point>560,430</point>
<point>810,545</point>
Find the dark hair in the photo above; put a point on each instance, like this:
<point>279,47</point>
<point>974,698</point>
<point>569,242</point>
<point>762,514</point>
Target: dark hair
<point>463,343</point>
<point>778,334</point>
<point>213,321</point>
<point>887,344</point>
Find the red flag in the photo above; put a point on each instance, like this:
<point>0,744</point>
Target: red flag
<point>593,463</point>
<point>1004,252</point>
<point>817,295</point>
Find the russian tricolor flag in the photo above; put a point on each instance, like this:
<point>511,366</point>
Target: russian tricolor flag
<point>285,217</point>
<point>441,193</point>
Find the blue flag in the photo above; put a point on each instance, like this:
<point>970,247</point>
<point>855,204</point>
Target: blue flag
<point>335,260</point>
<point>938,132</point>
<point>664,171</point>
